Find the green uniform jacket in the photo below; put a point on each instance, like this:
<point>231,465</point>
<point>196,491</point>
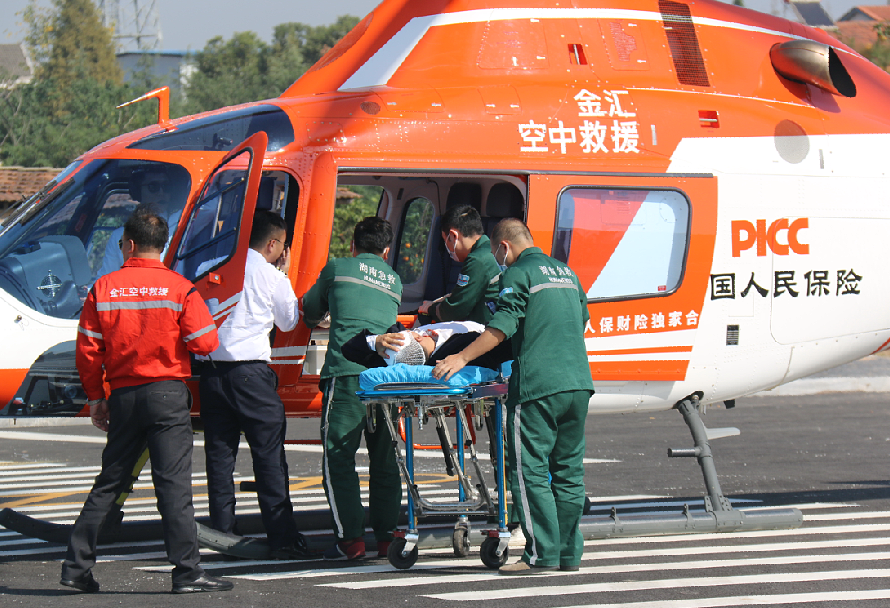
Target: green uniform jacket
<point>361,293</point>
<point>476,286</point>
<point>544,308</point>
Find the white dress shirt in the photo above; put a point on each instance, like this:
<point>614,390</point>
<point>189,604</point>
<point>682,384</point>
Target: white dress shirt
<point>266,299</point>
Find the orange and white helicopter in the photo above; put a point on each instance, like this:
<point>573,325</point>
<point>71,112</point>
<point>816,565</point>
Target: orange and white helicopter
<point>712,174</point>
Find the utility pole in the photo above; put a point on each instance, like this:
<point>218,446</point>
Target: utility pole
<point>135,24</point>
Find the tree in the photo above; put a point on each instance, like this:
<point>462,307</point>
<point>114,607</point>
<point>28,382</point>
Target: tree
<point>879,52</point>
<point>319,40</point>
<point>79,46</point>
<point>245,68</point>
<point>228,73</point>
<point>35,133</point>
<point>69,106</point>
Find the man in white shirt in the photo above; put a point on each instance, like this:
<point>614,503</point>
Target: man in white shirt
<point>239,393</point>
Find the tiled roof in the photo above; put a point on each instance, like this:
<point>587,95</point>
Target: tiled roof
<point>878,13</point>
<point>18,182</point>
<point>858,35</point>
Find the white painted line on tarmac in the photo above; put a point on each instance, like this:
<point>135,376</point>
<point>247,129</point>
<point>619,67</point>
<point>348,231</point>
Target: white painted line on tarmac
<point>804,531</point>
<point>678,583</point>
<point>621,569</point>
<point>31,436</point>
<point>835,384</point>
<point>43,421</point>
<point>754,600</point>
<point>717,549</point>
<point>42,473</point>
<point>16,466</point>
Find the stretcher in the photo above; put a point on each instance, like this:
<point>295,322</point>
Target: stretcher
<point>472,406</point>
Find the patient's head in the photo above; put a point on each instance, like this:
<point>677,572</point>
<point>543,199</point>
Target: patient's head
<point>415,350</point>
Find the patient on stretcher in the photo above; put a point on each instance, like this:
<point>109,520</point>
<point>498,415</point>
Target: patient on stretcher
<point>424,345</point>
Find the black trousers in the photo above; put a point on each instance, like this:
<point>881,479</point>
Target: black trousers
<point>242,396</point>
<point>154,415</point>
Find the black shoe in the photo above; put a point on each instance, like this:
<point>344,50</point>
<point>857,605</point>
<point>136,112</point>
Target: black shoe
<point>202,583</point>
<point>85,582</point>
<point>298,549</point>
<point>569,567</point>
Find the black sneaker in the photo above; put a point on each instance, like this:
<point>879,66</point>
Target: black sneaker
<point>202,583</point>
<point>85,582</point>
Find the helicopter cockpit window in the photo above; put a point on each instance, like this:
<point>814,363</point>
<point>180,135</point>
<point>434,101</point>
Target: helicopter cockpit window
<point>222,132</point>
<point>623,243</point>
<point>52,254</point>
<point>212,232</point>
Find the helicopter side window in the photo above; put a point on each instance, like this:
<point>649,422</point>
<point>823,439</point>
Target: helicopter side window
<point>212,233</point>
<point>353,204</point>
<point>417,223</point>
<point>623,243</point>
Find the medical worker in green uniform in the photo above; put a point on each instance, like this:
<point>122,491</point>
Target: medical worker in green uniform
<point>543,307</point>
<point>361,292</point>
<point>466,243</point>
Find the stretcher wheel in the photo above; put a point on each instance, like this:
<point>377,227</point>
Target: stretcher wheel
<point>394,554</point>
<point>460,541</point>
<point>488,553</point>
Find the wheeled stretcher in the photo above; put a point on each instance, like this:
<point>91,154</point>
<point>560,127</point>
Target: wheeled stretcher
<point>472,406</point>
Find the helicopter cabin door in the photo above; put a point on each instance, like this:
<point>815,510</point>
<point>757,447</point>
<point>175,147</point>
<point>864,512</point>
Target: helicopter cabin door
<point>211,250</point>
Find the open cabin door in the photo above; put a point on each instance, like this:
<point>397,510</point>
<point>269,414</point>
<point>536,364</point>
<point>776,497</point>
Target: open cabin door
<point>211,249</point>
<point>642,248</point>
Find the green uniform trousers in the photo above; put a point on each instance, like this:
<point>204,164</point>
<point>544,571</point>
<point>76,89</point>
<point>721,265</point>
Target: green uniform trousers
<point>343,420</point>
<point>547,436</point>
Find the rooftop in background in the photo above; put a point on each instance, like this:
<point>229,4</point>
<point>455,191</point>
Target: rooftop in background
<point>19,182</point>
<point>867,13</point>
<point>15,65</point>
<point>811,13</point>
<point>856,28</point>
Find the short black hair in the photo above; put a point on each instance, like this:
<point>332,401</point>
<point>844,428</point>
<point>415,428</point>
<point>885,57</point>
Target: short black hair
<point>147,229</point>
<point>266,224</point>
<point>372,235</point>
<point>463,218</point>
<point>512,230</point>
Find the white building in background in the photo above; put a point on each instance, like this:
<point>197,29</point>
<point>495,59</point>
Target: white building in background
<point>15,65</point>
<point>170,68</point>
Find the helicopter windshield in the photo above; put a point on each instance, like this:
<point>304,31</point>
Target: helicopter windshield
<point>53,252</point>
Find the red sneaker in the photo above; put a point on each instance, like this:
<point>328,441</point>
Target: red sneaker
<point>346,549</point>
<point>383,548</point>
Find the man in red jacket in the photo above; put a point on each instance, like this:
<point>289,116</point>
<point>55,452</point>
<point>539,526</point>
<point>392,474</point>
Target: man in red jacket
<point>139,324</point>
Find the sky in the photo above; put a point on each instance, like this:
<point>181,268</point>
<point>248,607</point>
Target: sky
<point>189,24</point>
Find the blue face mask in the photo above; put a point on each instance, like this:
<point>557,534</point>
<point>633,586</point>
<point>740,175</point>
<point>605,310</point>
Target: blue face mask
<point>503,264</point>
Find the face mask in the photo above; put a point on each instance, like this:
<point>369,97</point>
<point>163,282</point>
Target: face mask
<point>451,252</point>
<point>503,264</point>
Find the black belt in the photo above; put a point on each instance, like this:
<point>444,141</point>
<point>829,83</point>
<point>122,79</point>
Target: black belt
<point>218,363</point>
